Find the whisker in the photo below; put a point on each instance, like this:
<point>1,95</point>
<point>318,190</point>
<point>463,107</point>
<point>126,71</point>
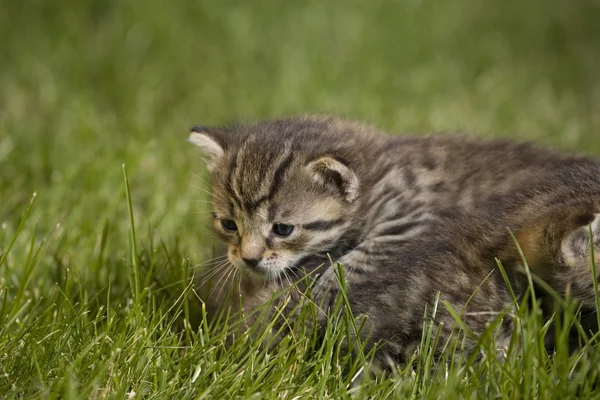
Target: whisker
<point>215,259</point>
<point>211,268</point>
<point>212,194</point>
<point>211,273</point>
<point>201,179</point>
<point>240,283</point>
<point>237,278</point>
<point>214,289</point>
<point>293,285</point>
<point>229,282</point>
<point>295,274</point>
<point>224,281</point>
<point>203,201</point>
<point>287,278</point>
<point>219,202</point>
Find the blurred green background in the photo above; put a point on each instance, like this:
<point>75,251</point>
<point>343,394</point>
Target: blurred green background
<point>87,85</point>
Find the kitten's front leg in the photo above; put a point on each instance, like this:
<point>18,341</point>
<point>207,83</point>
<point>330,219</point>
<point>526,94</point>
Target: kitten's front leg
<point>354,267</point>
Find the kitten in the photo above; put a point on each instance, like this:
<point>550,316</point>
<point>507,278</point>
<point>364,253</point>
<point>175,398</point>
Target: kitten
<point>405,216</point>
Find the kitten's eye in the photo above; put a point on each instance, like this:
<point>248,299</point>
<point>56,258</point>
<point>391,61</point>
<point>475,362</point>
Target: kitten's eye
<point>283,229</point>
<point>229,225</point>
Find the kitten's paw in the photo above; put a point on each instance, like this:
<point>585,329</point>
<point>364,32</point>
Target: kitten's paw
<point>326,287</point>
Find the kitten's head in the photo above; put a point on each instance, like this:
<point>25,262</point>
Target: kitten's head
<point>560,230</point>
<point>284,190</point>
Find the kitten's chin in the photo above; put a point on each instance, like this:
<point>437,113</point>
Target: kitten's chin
<point>257,274</point>
<point>263,274</point>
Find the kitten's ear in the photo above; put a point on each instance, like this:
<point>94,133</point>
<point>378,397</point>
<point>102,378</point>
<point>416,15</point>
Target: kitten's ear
<point>329,171</point>
<point>561,238</point>
<point>575,247</point>
<point>211,141</point>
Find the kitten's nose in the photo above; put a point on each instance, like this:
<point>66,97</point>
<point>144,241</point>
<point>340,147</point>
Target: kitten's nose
<point>252,262</point>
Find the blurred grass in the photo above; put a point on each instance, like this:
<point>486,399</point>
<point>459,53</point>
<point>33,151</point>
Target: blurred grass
<point>86,86</point>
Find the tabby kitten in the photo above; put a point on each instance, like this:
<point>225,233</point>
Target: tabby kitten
<point>407,217</point>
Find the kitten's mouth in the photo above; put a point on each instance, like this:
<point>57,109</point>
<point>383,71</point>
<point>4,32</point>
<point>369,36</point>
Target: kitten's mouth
<point>260,272</point>
<point>256,270</point>
<point>274,268</point>
<point>265,273</point>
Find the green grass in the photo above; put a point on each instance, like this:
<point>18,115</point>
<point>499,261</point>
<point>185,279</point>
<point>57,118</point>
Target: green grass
<point>90,307</point>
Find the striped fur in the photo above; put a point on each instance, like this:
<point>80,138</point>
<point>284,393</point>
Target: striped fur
<point>406,216</point>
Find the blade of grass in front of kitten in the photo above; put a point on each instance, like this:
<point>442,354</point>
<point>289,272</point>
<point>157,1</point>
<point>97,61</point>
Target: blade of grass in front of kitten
<point>6,252</point>
<point>135,279</point>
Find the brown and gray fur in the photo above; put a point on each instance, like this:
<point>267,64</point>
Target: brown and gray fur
<point>406,216</point>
